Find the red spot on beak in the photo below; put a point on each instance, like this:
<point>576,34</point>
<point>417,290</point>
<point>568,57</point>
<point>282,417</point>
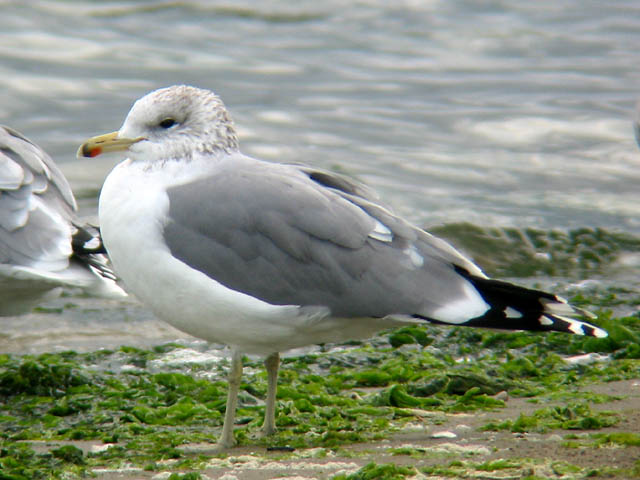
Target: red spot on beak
<point>90,152</point>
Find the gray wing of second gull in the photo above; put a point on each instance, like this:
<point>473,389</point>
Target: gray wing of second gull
<point>36,206</point>
<point>292,235</point>
<point>41,246</point>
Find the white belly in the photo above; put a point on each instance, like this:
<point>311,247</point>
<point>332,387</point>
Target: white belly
<point>132,206</point>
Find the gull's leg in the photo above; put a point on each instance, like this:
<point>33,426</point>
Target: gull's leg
<point>271,363</point>
<point>226,439</point>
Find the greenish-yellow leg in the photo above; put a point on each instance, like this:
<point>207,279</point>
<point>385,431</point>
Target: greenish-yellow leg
<point>227,439</point>
<point>271,363</point>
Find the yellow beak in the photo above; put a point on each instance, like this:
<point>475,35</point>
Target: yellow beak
<point>109,142</point>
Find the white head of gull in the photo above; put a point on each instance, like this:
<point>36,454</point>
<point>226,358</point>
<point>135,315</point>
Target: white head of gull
<point>266,257</point>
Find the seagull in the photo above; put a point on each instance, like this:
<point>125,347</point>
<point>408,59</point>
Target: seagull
<point>43,247</point>
<point>265,257</point>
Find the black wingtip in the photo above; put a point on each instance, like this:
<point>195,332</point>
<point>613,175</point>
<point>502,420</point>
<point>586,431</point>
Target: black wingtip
<point>513,307</point>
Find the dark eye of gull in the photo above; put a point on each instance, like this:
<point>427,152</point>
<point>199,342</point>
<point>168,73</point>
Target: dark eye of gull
<point>167,123</point>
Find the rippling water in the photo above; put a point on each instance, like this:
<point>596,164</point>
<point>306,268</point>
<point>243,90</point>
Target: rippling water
<point>495,113</point>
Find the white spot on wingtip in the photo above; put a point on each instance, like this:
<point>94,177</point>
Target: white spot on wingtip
<point>512,313</point>
<point>576,327</point>
<point>92,243</point>
<point>599,333</point>
<point>545,321</point>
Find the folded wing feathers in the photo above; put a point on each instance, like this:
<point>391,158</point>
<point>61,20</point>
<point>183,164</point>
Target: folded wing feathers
<point>518,308</point>
<point>511,307</point>
<point>561,307</point>
<point>554,315</point>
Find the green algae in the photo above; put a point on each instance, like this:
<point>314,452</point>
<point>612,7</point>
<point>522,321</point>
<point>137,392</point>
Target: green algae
<point>50,375</point>
<point>500,464</point>
<point>524,469</point>
<point>373,471</point>
<point>185,476</point>
<point>617,438</point>
<point>578,416</point>
<point>620,439</point>
<point>69,454</point>
<point>18,461</point>
<point>409,335</point>
<point>516,468</point>
<point>364,392</point>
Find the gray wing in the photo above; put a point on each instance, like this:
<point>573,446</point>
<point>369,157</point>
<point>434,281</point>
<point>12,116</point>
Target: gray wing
<point>297,236</point>
<point>36,206</point>
<point>41,247</point>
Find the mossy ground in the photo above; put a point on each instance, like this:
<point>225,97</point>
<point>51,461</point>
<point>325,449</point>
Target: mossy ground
<point>70,415</point>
